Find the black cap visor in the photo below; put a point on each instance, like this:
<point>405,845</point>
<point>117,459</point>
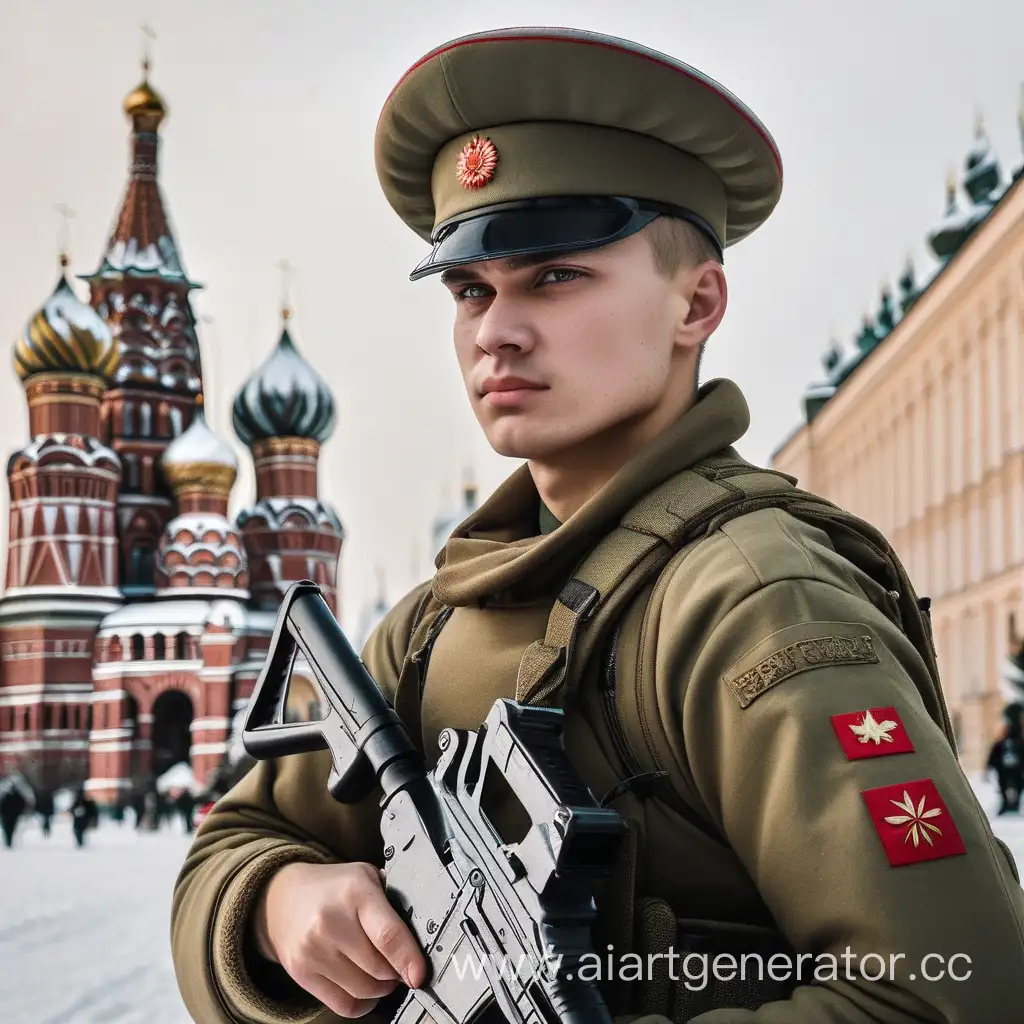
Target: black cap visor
<point>567,224</point>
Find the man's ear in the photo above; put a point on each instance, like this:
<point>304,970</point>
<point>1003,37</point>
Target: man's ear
<point>707,296</point>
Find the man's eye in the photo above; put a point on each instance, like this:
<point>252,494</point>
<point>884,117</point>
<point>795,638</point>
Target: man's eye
<point>559,275</point>
<point>471,291</point>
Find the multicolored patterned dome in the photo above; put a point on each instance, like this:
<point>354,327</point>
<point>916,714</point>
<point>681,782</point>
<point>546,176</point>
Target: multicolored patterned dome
<point>65,336</point>
<point>202,550</point>
<point>285,397</point>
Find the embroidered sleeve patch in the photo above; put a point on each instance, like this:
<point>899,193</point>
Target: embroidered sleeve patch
<point>872,733</point>
<point>913,823</point>
<point>813,652</point>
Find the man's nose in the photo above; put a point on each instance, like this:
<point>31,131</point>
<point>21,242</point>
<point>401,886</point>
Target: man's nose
<point>504,328</point>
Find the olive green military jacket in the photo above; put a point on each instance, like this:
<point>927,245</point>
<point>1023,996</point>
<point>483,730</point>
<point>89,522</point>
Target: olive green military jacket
<point>857,835</point>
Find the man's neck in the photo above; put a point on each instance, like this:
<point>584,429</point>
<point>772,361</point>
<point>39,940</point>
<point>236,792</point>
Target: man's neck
<point>568,480</point>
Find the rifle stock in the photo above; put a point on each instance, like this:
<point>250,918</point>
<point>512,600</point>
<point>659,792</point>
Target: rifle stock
<point>503,921</point>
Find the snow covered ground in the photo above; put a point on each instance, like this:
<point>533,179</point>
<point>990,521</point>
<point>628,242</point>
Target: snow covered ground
<point>84,934</point>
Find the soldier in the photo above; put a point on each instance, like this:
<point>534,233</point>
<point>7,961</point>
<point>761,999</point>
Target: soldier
<point>765,713</point>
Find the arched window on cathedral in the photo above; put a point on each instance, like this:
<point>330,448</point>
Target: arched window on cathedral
<point>115,652</point>
<point>143,562</point>
<point>138,647</point>
<point>145,420</point>
<point>131,472</point>
<point>180,650</point>
<point>175,421</point>
<point>159,647</point>
<point>127,427</point>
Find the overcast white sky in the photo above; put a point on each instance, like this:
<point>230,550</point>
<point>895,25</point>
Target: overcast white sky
<point>267,154</point>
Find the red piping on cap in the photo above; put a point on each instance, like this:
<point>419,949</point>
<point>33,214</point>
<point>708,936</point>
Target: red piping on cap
<point>590,42</point>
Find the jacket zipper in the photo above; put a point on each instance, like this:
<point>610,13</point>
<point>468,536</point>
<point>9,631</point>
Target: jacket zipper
<point>422,657</point>
<point>613,722</point>
<point>627,755</point>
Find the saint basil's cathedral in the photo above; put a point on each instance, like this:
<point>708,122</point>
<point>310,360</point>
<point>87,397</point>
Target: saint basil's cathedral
<point>136,615</point>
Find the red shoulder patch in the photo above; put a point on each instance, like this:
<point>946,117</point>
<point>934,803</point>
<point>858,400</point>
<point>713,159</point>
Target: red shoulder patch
<point>872,733</point>
<point>912,822</point>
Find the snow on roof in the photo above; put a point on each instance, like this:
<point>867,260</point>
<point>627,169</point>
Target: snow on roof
<point>64,310</point>
<point>199,444</point>
<point>275,510</point>
<point>159,258</point>
<point>178,776</point>
<point>180,615</point>
<point>86,450</point>
<point>198,523</point>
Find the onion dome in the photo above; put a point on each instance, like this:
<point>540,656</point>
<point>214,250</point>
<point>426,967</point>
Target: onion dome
<point>885,320</point>
<point>199,461</point>
<point>868,338</point>
<point>908,286</point>
<point>981,169</point>
<point>285,397</point>
<point>202,550</point>
<point>832,358</point>
<point>65,336</point>
<point>954,227</point>
<point>145,106</point>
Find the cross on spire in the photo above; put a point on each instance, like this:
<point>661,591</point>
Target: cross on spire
<point>147,62</point>
<point>67,215</point>
<point>286,271</point>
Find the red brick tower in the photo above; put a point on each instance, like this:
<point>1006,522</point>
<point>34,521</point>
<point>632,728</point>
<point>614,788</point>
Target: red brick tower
<point>62,572</point>
<point>284,413</point>
<point>165,673</point>
<point>141,289</point>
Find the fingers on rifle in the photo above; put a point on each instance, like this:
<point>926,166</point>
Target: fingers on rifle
<point>365,955</point>
<point>350,977</point>
<point>336,998</point>
<point>391,935</point>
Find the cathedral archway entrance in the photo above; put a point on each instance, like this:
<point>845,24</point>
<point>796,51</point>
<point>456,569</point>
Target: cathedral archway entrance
<point>172,730</point>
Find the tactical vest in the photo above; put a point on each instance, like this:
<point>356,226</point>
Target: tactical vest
<point>575,662</point>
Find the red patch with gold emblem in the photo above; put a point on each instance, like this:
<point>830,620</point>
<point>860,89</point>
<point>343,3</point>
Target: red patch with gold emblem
<point>913,822</point>
<point>477,162</point>
<point>872,733</point>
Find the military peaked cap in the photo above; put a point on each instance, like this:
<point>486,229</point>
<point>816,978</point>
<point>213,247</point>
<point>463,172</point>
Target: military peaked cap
<point>525,140</point>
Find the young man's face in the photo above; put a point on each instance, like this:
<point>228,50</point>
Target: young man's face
<point>560,351</point>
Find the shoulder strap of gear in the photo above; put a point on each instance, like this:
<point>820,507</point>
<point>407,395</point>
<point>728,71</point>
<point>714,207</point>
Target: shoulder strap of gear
<point>430,616</point>
<point>682,510</point>
<point>676,513</point>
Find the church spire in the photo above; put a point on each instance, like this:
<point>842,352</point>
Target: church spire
<point>141,290</point>
<point>142,243</point>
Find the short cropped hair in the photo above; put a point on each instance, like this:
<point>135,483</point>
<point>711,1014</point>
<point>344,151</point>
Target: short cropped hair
<point>677,243</point>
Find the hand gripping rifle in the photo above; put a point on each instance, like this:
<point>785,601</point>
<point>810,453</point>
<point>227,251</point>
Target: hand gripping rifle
<point>501,924</point>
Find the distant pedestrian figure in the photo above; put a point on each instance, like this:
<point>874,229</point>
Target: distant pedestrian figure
<point>186,805</point>
<point>151,814</point>
<point>84,815</point>
<point>139,807</point>
<point>12,806</point>
<point>1006,759</point>
<point>44,808</point>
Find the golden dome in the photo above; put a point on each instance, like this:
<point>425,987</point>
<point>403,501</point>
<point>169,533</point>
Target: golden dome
<point>145,106</point>
<point>199,461</point>
<point>65,336</point>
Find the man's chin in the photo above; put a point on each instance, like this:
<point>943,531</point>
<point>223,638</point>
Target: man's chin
<point>528,445</point>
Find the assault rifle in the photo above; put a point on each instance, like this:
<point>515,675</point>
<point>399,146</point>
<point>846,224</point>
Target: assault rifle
<point>521,910</point>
